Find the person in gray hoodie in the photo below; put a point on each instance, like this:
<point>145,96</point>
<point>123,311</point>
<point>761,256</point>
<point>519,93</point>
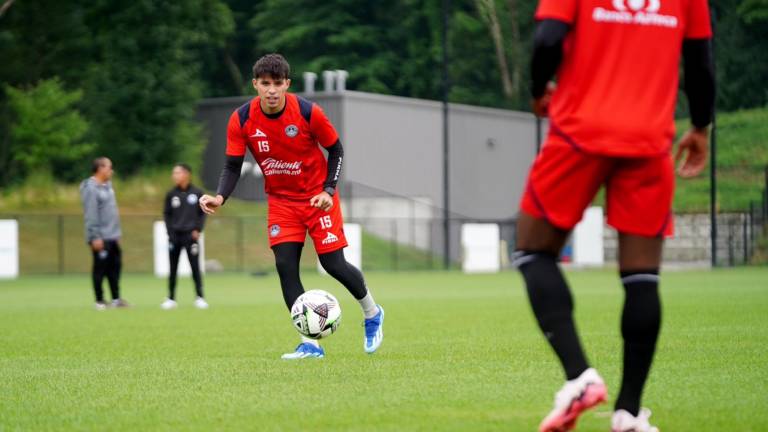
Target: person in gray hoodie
<point>102,231</point>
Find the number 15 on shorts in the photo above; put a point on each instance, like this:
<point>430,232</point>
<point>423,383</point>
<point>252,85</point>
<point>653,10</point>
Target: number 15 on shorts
<point>325,222</point>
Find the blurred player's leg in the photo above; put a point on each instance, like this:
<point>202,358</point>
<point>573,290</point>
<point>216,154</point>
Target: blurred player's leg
<point>539,244</point>
<point>174,252</point>
<point>114,267</point>
<point>97,276</point>
<point>193,253</point>
<point>639,201</point>
<point>337,266</point>
<point>639,261</point>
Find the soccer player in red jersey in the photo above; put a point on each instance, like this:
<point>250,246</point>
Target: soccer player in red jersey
<point>611,123</point>
<point>282,131</point>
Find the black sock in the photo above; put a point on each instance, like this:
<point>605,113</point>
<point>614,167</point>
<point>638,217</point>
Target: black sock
<point>114,263</point>
<point>552,304</point>
<point>97,275</point>
<point>640,324</point>
<point>287,258</point>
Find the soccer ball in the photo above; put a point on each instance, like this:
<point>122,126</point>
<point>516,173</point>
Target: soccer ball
<point>316,314</point>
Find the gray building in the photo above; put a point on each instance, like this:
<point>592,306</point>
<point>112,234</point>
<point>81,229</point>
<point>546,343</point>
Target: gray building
<point>392,181</point>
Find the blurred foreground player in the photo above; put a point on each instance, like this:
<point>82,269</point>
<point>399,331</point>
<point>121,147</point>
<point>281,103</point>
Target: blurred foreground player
<point>611,123</point>
<point>102,231</point>
<point>282,131</point>
<point>184,220</point>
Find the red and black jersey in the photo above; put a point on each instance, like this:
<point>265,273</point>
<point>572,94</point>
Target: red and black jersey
<point>285,145</point>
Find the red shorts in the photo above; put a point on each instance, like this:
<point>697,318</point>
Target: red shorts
<point>564,180</point>
<point>289,221</point>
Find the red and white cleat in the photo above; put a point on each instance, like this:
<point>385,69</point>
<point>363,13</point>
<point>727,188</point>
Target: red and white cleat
<point>576,396</point>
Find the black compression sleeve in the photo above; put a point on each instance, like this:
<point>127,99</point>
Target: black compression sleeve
<point>547,53</point>
<point>699,78</point>
<point>335,158</point>
<point>229,176</point>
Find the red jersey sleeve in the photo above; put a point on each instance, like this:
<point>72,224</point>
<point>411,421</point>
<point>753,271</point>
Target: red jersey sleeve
<point>236,141</point>
<point>561,10</point>
<point>321,127</point>
<point>698,25</point>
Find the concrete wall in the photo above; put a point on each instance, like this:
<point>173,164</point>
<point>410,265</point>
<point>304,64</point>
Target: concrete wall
<point>691,244</point>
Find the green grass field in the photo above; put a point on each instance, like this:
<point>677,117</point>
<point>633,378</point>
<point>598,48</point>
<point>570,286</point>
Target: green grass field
<point>461,353</point>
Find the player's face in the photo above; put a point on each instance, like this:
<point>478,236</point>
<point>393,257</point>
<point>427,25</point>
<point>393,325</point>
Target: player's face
<point>105,170</point>
<point>180,176</point>
<point>271,91</point>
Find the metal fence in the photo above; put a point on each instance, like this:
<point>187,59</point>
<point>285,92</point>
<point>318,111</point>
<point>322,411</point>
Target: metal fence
<point>399,233</point>
<point>755,229</point>
<point>54,244</point>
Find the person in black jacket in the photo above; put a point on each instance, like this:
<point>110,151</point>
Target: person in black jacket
<point>184,221</point>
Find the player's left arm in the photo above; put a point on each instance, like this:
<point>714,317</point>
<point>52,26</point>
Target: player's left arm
<point>335,160</point>
<point>325,134</point>
<point>699,86</point>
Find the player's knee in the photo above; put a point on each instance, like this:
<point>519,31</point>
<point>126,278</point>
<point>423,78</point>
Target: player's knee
<point>539,235</point>
<point>286,265</point>
<point>334,262</point>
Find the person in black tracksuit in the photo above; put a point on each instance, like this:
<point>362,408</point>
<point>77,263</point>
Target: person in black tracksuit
<point>184,221</point>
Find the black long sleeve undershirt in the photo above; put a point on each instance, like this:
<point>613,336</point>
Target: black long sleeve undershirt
<point>547,53</point>
<point>335,159</point>
<point>229,176</point>
<point>699,80</point>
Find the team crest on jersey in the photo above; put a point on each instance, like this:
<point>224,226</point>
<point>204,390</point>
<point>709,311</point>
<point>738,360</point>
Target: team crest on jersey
<point>291,130</point>
<point>274,230</point>
<point>191,199</point>
<point>175,202</point>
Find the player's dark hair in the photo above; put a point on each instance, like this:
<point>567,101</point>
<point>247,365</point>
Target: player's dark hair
<point>98,163</point>
<point>272,65</point>
<point>184,166</point>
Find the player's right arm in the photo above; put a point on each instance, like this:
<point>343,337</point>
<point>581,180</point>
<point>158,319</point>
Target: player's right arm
<point>555,18</point>
<point>230,174</point>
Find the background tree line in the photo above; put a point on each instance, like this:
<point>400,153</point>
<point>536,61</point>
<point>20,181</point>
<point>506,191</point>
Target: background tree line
<point>122,78</point>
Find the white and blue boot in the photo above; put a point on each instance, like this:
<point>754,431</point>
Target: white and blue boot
<point>305,350</point>
<point>374,332</point>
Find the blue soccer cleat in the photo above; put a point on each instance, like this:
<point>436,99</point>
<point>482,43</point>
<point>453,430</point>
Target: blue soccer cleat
<point>374,332</point>
<point>305,350</point>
